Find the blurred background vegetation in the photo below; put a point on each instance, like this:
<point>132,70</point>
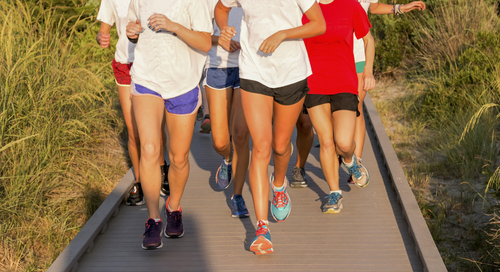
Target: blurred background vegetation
<point>61,147</point>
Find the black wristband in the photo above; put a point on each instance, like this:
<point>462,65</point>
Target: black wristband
<point>132,40</point>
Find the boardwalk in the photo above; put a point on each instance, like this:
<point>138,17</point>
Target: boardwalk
<point>370,234</point>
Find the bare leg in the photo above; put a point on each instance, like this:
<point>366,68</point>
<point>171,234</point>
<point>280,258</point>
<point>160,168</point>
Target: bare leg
<point>259,121</point>
<point>180,133</point>
<point>133,134</point>
<point>241,141</point>
<point>284,122</point>
<point>305,138</point>
<point>220,101</point>
<point>344,124</point>
<point>322,120</point>
<point>148,112</point>
<point>360,132</point>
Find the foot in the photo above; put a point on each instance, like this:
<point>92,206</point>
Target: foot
<point>298,178</point>
<point>359,174</point>
<point>174,227</point>
<point>239,209</point>
<point>334,204</point>
<point>152,235</point>
<point>206,126</point>
<point>165,186</point>
<point>262,243</point>
<point>224,174</point>
<point>136,197</point>
<point>281,204</point>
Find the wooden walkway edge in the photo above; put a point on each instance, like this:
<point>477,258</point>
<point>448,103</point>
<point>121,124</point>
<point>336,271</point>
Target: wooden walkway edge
<point>424,244</point>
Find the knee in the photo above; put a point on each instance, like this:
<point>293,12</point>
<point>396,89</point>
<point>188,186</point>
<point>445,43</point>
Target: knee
<point>304,128</point>
<point>240,136</point>
<point>220,144</point>
<point>261,151</point>
<point>179,161</point>
<point>344,146</point>
<point>280,148</point>
<point>328,145</point>
<point>150,151</point>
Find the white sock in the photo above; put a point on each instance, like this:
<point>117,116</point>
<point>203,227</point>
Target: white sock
<point>171,210</point>
<point>349,164</point>
<point>337,191</point>
<point>157,220</point>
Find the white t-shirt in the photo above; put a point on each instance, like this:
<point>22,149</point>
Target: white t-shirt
<point>359,45</point>
<point>163,62</point>
<point>262,18</point>
<point>219,57</point>
<point>115,11</point>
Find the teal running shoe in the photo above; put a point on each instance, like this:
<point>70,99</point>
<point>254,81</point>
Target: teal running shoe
<point>334,204</point>
<point>281,204</point>
<point>262,243</point>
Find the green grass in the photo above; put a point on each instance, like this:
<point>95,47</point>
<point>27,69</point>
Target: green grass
<point>58,132</point>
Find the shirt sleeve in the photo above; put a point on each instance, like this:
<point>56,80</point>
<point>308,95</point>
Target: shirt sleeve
<point>105,14</point>
<point>230,3</point>
<point>199,15</point>
<point>305,5</point>
<point>132,12</point>
<point>360,21</point>
<point>373,1</point>
<point>211,5</point>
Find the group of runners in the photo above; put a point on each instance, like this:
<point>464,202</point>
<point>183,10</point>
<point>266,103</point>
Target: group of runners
<point>268,66</point>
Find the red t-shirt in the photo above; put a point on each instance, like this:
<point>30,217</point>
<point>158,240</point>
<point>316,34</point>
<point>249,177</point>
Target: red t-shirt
<point>331,54</point>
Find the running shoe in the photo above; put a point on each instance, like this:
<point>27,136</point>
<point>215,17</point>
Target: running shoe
<point>334,204</point>
<point>359,174</point>
<point>152,235</point>
<point>174,227</point>
<point>206,126</point>
<point>298,178</point>
<point>262,243</point>
<point>165,186</point>
<point>136,197</point>
<point>281,204</point>
<point>224,174</point>
<point>316,142</point>
<point>239,209</point>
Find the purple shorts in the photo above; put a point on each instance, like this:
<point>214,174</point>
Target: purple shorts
<point>184,104</point>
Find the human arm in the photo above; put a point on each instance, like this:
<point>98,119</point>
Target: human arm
<point>199,40</point>
<point>103,38</point>
<point>233,46</point>
<point>221,13</point>
<point>316,26</point>
<point>380,8</point>
<point>368,79</point>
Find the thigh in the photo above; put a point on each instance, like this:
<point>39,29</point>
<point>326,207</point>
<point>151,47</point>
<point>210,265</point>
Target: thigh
<point>344,124</point>
<point>238,118</point>
<point>180,132</point>
<point>258,112</point>
<point>285,118</point>
<point>321,119</point>
<point>219,102</point>
<point>148,112</point>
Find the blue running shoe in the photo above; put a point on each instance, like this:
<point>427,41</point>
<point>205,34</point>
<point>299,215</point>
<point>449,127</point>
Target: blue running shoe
<point>152,235</point>
<point>239,209</point>
<point>359,174</point>
<point>281,204</point>
<point>262,243</point>
<point>334,204</point>
<point>223,175</point>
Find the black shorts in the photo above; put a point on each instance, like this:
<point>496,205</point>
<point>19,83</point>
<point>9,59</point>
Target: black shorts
<point>286,95</point>
<point>341,101</point>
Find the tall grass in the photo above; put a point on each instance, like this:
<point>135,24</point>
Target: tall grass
<point>57,124</point>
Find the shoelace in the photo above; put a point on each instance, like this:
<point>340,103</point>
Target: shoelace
<point>262,229</point>
<point>333,198</point>
<point>149,228</point>
<point>176,219</point>
<point>297,174</point>
<point>280,200</point>
<point>355,171</point>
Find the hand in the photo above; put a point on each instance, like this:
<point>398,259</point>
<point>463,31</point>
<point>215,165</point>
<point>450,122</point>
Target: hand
<point>134,29</point>
<point>103,39</point>
<point>413,5</point>
<point>226,35</point>
<point>234,46</point>
<point>160,21</point>
<point>368,81</point>
<point>270,44</point>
